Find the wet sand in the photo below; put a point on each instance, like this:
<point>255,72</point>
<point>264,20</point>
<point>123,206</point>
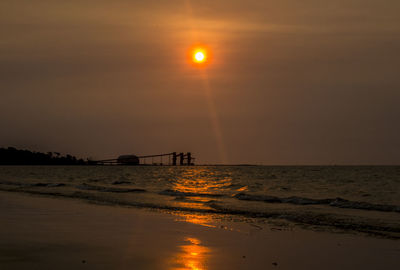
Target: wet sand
<point>53,233</point>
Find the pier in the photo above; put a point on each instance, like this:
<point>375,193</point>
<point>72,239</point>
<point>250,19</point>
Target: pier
<point>168,159</point>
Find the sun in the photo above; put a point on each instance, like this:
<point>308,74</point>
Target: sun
<point>199,56</point>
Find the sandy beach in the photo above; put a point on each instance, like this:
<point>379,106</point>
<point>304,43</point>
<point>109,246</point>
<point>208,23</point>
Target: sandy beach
<point>51,233</point>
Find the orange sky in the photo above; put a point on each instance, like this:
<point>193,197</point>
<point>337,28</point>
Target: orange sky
<point>287,82</point>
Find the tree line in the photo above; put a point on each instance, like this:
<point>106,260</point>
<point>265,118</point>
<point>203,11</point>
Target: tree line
<point>13,156</point>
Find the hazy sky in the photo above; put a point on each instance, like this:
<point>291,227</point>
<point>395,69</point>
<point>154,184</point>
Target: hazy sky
<point>289,82</point>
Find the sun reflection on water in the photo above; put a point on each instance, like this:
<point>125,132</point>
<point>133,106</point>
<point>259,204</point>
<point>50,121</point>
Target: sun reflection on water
<point>202,180</point>
<point>198,188</point>
<point>192,255</point>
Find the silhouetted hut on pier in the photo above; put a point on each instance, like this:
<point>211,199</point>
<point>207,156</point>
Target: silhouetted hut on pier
<point>128,160</point>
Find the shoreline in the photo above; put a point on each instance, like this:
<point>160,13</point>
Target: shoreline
<point>49,233</point>
<point>300,221</point>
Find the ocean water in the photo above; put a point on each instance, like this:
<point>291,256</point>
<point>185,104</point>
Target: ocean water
<point>357,199</point>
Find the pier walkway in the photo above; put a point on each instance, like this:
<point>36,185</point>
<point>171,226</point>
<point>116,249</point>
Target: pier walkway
<point>171,159</point>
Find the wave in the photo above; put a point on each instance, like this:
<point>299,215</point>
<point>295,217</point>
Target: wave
<point>121,182</point>
<point>85,186</point>
<point>48,185</point>
<point>18,184</point>
<point>171,192</point>
<point>9,183</point>
<point>320,219</point>
<point>333,202</point>
<point>336,202</point>
<point>308,218</point>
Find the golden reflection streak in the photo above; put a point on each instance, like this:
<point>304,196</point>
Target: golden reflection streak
<point>201,180</point>
<point>192,255</point>
<point>203,220</point>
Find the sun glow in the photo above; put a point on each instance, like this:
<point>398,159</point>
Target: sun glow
<point>199,55</point>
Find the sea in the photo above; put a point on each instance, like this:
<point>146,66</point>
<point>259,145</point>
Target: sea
<point>354,199</point>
